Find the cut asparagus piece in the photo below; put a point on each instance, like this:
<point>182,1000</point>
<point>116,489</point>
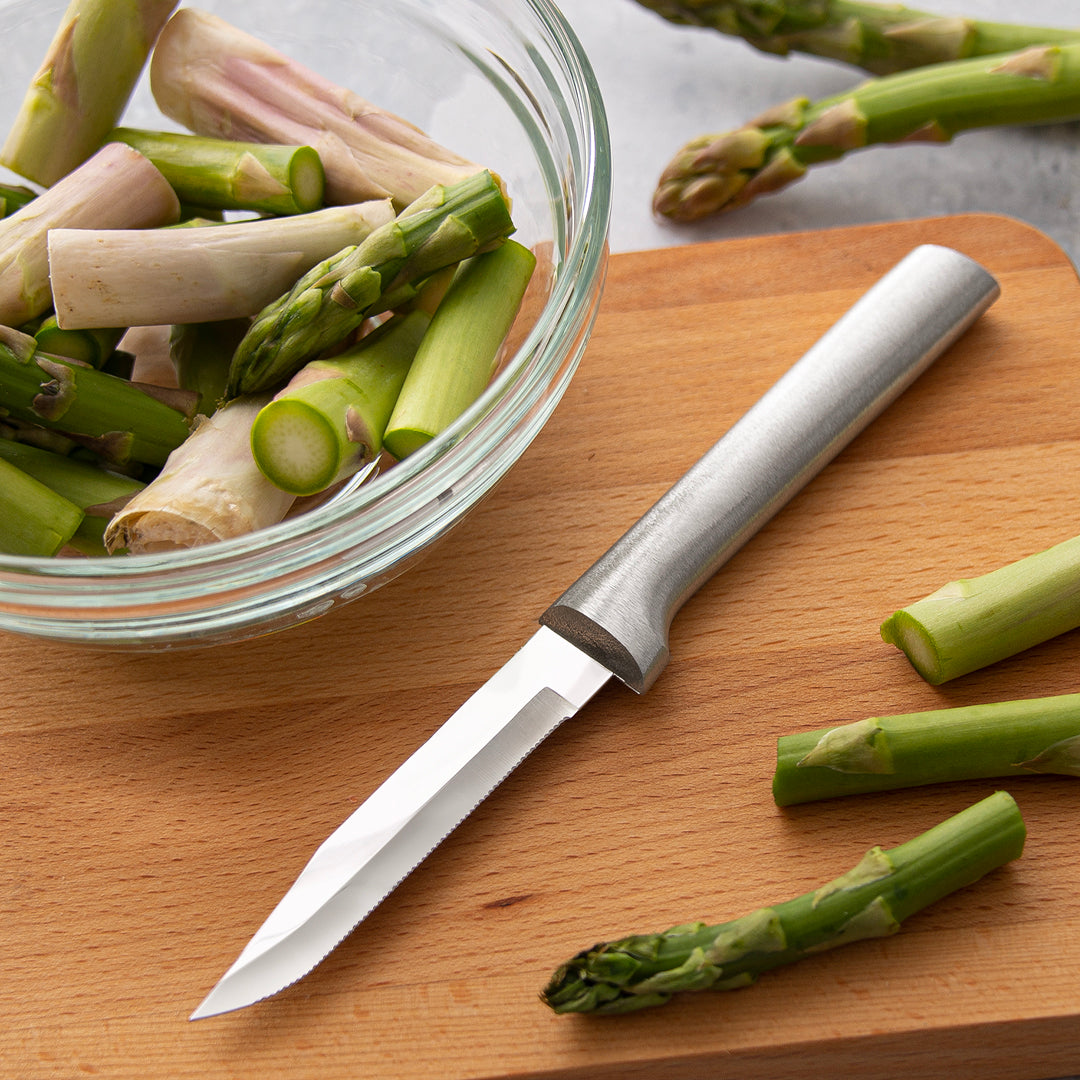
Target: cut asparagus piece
<point>97,493</point>
<point>215,79</point>
<point>14,197</point>
<point>880,753</point>
<point>222,174</point>
<point>34,519</point>
<point>443,227</point>
<point>122,421</point>
<point>132,277</point>
<point>210,489</point>
<point>714,173</point>
<point>871,900</point>
<point>881,38</point>
<point>201,354</point>
<point>117,188</point>
<point>329,421</point>
<point>93,345</point>
<point>96,56</point>
<point>459,353</point>
<point>970,623</point>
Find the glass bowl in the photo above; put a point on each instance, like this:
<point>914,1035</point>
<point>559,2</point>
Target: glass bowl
<point>504,83</point>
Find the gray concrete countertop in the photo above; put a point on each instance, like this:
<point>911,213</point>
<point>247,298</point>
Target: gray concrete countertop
<point>663,84</point>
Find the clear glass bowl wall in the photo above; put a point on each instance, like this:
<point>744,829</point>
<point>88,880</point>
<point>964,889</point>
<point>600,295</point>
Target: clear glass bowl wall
<point>503,82</point>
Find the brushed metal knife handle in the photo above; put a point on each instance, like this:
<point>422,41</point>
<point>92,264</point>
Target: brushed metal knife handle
<point>620,610</point>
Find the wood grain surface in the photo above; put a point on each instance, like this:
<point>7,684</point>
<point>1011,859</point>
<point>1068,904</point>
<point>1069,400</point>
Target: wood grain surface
<point>156,806</point>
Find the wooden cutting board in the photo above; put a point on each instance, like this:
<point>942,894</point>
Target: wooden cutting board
<point>156,806</point>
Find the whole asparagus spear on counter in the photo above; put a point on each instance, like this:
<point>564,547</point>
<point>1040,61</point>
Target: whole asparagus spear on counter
<point>880,753</point>
<point>881,38</point>
<point>870,900</point>
<point>972,622</point>
<point>117,188</point>
<point>140,277</point>
<point>329,420</point>
<point>97,493</point>
<point>221,174</point>
<point>210,489</point>
<point>215,79</point>
<point>721,172</point>
<point>442,227</point>
<point>120,420</point>
<point>95,59</point>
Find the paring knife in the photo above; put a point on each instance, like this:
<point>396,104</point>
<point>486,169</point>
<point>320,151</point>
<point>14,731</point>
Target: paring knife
<point>614,619</point>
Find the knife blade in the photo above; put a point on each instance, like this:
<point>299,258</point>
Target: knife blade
<point>613,622</point>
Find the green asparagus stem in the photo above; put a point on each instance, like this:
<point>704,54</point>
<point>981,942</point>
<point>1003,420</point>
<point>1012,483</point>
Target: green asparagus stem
<point>34,519</point>
<point>187,274</point>
<point>14,197</point>
<point>715,173</point>
<point>970,623</point>
<point>226,175</point>
<point>93,63</point>
<point>880,753</point>
<point>201,354</point>
<point>210,489</point>
<point>217,80</point>
<point>871,900</point>
<point>97,493</point>
<point>117,188</point>
<point>444,226</point>
<point>329,421</point>
<point>458,355</point>
<point>123,421</point>
<point>93,345</point>
<point>880,38</point>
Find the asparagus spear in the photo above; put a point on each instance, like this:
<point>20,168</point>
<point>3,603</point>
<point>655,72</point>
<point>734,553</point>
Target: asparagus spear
<point>970,623</point>
<point>97,493</point>
<point>84,82</point>
<point>458,355</point>
<point>117,188</point>
<point>880,753</point>
<point>870,900</point>
<point>14,197</point>
<point>444,226</point>
<point>714,173</point>
<point>881,38</point>
<point>93,345</point>
<point>34,519</point>
<point>222,174</point>
<point>215,79</point>
<point>329,421</point>
<point>201,354</point>
<point>139,277</point>
<point>210,489</point>
<point>123,421</point>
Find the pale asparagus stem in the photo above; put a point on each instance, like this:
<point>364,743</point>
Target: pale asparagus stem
<point>220,174</point>
<point>217,80</point>
<point>970,623</point>
<point>329,420</point>
<point>870,900</point>
<point>97,493</point>
<point>34,519</point>
<point>715,173</point>
<point>457,357</point>
<point>442,227</point>
<point>117,188</point>
<point>881,38</point>
<point>880,753</point>
<point>120,420</point>
<point>210,489</point>
<point>127,277</point>
<point>94,61</point>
